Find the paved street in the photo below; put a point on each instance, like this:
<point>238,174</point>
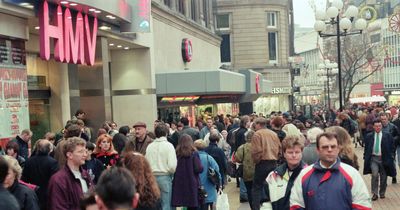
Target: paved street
<point>391,202</point>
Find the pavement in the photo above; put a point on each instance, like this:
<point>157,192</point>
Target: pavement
<point>391,202</point>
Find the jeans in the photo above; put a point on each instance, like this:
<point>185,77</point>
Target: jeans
<point>165,184</point>
<point>243,190</point>
<point>378,172</point>
<point>249,186</point>
<point>263,168</point>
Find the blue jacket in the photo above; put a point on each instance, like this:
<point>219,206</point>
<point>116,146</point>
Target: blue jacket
<point>208,162</point>
<point>338,187</point>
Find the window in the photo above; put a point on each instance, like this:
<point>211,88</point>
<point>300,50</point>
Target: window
<point>193,10</point>
<point>271,20</point>
<point>181,6</point>
<point>205,13</point>
<point>273,47</point>
<point>223,22</point>
<point>167,2</point>
<point>226,48</point>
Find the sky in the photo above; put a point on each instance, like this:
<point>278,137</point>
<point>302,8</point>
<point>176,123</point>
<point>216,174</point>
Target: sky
<point>303,12</point>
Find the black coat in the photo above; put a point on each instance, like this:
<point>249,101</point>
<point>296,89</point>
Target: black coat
<point>386,150</point>
<point>38,171</point>
<point>219,156</point>
<point>25,196</point>
<point>8,201</point>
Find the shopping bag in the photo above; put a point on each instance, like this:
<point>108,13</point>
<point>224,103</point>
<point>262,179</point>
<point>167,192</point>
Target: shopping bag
<point>222,201</point>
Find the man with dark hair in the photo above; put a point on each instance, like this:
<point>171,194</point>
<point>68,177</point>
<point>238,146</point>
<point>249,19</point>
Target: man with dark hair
<point>8,201</point>
<point>329,183</point>
<point>79,114</point>
<point>70,183</point>
<point>116,190</point>
<point>162,159</point>
<point>392,129</point>
<point>23,140</point>
<point>188,130</point>
<point>378,158</point>
<point>39,169</point>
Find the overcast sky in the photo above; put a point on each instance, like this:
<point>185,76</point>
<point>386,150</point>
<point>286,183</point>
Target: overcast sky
<point>303,13</point>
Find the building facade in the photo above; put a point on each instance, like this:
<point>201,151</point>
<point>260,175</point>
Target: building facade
<point>258,35</point>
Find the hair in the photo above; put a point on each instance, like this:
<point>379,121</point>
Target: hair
<point>50,136</point>
<point>12,145</point>
<point>116,187</point>
<point>185,146</point>
<point>199,144</point>
<point>161,130</point>
<point>313,133</point>
<point>185,121</point>
<point>292,141</point>
<point>291,130</point>
<point>124,130</point>
<point>249,135</point>
<point>14,166</point>
<point>43,147</point>
<point>90,146</point>
<point>277,122</point>
<point>72,131</point>
<point>377,120</point>
<point>80,122</point>
<point>78,112</point>
<point>236,121</point>
<point>101,131</point>
<point>261,121</point>
<point>344,141</point>
<point>327,135</point>
<point>26,132</point>
<point>3,169</point>
<point>87,201</point>
<point>214,137</point>
<point>71,143</point>
<point>100,139</point>
<point>244,120</point>
<point>146,184</point>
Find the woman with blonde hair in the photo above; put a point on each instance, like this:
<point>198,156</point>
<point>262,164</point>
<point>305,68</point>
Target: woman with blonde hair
<point>146,184</point>
<point>346,152</point>
<point>105,151</point>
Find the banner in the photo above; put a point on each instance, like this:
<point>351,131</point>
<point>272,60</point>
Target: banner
<point>14,113</point>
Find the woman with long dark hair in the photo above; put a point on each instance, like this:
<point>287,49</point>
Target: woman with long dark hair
<point>146,184</point>
<point>185,186</point>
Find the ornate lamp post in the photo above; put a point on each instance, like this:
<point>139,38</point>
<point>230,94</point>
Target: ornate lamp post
<point>327,70</point>
<point>343,21</point>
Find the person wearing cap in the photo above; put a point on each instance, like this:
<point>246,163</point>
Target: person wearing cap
<point>140,141</point>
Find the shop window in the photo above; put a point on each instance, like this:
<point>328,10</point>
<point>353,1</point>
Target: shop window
<point>226,48</point>
<point>223,22</point>
<point>273,47</point>
<point>272,20</point>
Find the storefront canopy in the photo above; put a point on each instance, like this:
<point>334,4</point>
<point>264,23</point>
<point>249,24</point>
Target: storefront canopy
<point>368,99</point>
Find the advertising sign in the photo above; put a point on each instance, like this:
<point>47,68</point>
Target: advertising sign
<point>14,113</point>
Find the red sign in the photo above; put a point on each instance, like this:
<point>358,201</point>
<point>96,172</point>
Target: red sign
<point>187,50</point>
<point>257,83</point>
<point>77,47</point>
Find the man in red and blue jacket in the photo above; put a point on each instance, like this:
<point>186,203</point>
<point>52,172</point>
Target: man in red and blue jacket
<point>329,184</point>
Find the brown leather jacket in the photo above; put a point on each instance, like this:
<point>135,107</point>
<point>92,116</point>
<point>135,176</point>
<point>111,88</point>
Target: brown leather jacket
<point>265,145</point>
<point>132,144</point>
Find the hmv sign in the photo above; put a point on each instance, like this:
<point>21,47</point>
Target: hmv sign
<point>74,36</point>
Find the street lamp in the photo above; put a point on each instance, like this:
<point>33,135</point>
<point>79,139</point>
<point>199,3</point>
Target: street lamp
<point>343,22</point>
<point>327,70</point>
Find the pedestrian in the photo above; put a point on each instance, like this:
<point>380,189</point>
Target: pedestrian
<point>25,196</point>
<point>391,128</point>
<point>265,151</point>
<point>280,181</point>
<point>92,165</point>
<point>329,184</point>
<point>218,154</point>
<point>72,130</point>
<point>120,139</point>
<point>23,142</point>
<point>69,184</point>
<point>140,141</point>
<point>378,159</point>
<point>162,159</point>
<point>186,129</point>
<point>12,150</point>
<point>206,129</point>
<point>186,183</point>
<point>39,169</point>
<point>310,155</point>
<point>8,201</point>
<point>146,184</point>
<point>105,151</point>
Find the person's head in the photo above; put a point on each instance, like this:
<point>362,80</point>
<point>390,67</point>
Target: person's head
<point>377,125</point>
<point>236,121</point>
<point>224,134</point>
<point>116,189</point>
<point>26,135</point>
<point>199,144</point>
<point>3,169</point>
<point>291,130</point>
<point>327,148</point>
<point>245,121</point>
<point>313,133</point>
<point>50,136</point>
<point>88,202</point>
<point>75,151</point>
<point>185,146</point>
<point>249,135</point>
<point>214,137</point>
<point>124,130</point>
<point>292,150</point>
<point>80,114</point>
<point>43,147</point>
<point>73,130</point>
<point>12,149</point>
<point>140,130</point>
<point>101,131</point>
<point>209,122</point>
<point>384,119</point>
<point>14,171</point>
<point>173,125</point>
<point>104,144</point>
<point>114,126</point>
<point>185,121</point>
<point>161,130</point>
<point>277,123</point>
<point>260,122</point>
<point>146,184</point>
<point>90,147</point>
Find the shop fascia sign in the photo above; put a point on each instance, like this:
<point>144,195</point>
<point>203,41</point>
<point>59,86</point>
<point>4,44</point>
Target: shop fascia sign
<point>70,46</point>
<point>280,90</point>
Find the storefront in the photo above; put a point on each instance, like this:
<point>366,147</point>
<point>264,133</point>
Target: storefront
<point>277,100</point>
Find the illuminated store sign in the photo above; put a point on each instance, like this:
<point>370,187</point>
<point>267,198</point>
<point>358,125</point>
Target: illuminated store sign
<point>73,43</point>
<point>179,98</point>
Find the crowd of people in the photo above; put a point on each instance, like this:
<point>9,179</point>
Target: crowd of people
<point>287,160</point>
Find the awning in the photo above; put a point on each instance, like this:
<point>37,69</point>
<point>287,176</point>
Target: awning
<point>368,99</point>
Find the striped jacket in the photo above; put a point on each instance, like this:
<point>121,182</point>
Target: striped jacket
<point>339,187</point>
